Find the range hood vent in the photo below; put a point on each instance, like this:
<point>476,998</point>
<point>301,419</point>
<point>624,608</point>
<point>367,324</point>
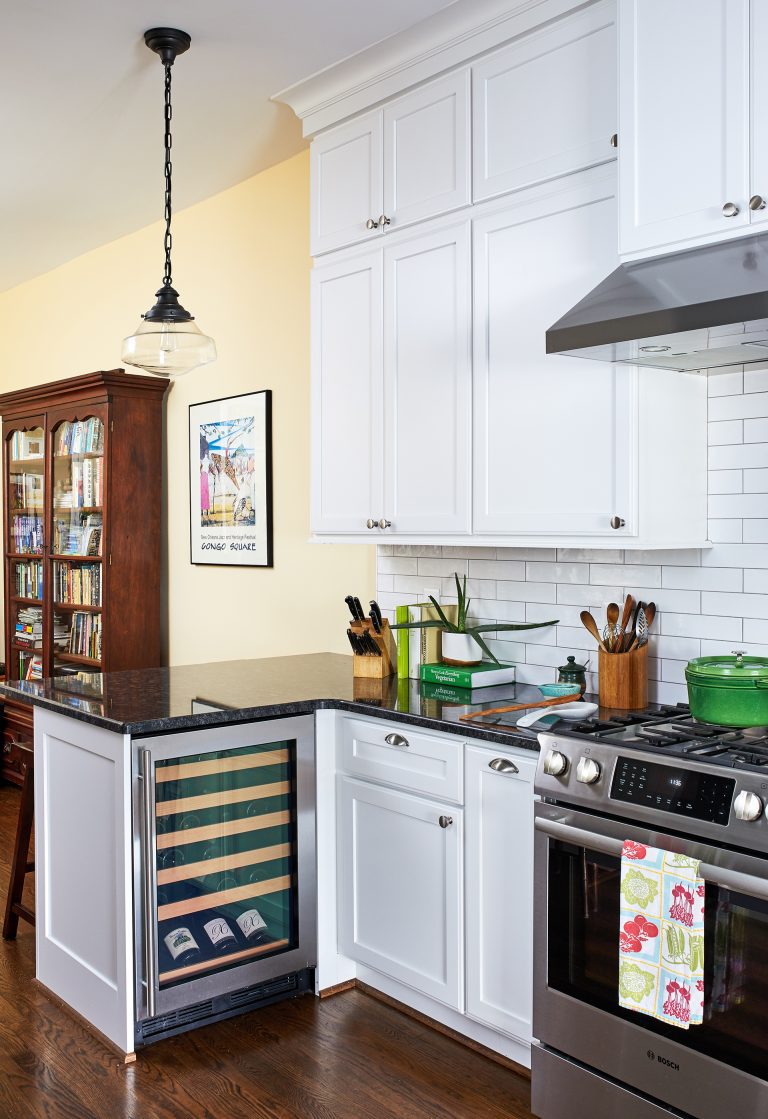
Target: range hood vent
<point>701,309</point>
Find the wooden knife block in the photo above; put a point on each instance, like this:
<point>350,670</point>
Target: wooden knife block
<point>375,668</point>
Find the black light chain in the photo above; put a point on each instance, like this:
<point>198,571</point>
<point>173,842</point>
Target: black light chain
<point>168,240</point>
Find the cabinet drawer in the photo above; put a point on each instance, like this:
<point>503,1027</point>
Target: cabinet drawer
<point>402,756</point>
<point>16,733</point>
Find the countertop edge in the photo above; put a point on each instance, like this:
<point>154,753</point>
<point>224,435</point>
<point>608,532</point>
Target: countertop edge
<point>226,717</point>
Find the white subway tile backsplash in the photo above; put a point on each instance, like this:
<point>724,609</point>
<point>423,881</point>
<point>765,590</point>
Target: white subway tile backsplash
<point>626,574</point>
<point>702,578</point>
<point>738,504</point>
<point>727,531</point>
<point>722,432</point>
<point>727,481</point>
<point>756,531</point>
<point>737,605</point>
<point>558,572</point>
<point>709,601</point>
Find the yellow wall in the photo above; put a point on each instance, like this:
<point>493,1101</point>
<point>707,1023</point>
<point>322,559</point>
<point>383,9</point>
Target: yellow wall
<point>241,265</point>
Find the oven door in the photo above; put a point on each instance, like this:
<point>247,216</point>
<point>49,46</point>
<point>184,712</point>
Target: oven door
<point>706,1071</point>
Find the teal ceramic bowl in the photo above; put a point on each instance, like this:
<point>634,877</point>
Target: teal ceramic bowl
<point>553,690</point>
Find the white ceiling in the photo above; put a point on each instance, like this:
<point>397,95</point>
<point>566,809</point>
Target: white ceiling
<point>81,107</point>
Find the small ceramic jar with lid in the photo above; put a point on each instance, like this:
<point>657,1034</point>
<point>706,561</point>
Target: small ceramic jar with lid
<point>573,673</point>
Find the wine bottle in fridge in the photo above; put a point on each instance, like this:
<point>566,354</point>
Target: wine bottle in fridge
<point>180,942</point>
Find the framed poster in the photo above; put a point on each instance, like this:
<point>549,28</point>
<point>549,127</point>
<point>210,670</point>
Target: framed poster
<point>230,480</point>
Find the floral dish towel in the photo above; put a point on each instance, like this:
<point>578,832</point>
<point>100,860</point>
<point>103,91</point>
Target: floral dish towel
<point>661,937</point>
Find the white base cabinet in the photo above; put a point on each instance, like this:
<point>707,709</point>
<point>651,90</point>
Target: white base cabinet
<point>498,865</point>
<point>400,889</point>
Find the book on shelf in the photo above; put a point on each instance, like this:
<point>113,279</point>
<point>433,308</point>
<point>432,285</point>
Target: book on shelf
<point>77,437</point>
<point>28,579</point>
<point>27,533</point>
<point>81,537</point>
<point>85,635</point>
<point>483,675</point>
<point>33,670</point>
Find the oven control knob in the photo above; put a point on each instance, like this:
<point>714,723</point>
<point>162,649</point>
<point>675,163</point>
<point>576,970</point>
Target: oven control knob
<point>747,806</point>
<point>588,771</point>
<point>555,764</point>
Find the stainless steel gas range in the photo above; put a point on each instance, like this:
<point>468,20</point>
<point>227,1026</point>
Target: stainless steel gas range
<point>661,779</point>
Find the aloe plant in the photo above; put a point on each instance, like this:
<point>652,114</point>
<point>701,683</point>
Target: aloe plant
<point>461,625</point>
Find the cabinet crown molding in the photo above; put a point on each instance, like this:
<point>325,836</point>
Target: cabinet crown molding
<point>445,40</point>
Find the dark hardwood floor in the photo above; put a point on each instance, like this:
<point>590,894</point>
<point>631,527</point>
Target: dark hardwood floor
<point>345,1057</point>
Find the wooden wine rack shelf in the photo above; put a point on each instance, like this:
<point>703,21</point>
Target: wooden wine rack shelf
<point>223,863</point>
<point>217,800</point>
<point>207,965</point>
<point>221,828</point>
<point>223,897</point>
<point>203,769</point>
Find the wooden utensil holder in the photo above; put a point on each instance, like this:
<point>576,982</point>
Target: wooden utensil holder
<point>375,668</point>
<point>623,678</point>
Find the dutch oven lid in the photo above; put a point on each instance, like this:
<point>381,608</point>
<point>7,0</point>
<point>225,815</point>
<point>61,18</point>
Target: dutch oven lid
<point>736,671</point>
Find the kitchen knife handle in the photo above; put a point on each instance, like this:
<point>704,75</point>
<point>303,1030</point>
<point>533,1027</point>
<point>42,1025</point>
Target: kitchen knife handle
<point>360,616</point>
<point>351,604</point>
<point>376,609</point>
<point>375,622</point>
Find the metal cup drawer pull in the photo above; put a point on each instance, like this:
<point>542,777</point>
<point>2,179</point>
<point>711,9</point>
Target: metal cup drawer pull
<point>445,821</point>
<point>396,740</point>
<point>503,765</point>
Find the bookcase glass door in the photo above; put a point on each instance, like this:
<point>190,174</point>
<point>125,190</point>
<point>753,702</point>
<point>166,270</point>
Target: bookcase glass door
<point>77,526</point>
<point>25,456</point>
<point>226,859</point>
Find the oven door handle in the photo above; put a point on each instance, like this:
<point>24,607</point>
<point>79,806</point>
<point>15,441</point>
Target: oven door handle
<point>716,875</point>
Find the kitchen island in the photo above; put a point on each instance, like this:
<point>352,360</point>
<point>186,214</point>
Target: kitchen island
<point>314,827</point>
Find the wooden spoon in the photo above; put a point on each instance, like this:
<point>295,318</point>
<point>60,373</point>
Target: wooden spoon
<point>650,614</point>
<point>522,706</point>
<point>590,625</point>
<point>626,615</point>
<point>613,616</point>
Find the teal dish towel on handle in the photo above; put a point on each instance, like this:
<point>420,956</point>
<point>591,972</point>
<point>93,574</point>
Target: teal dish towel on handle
<point>661,935</point>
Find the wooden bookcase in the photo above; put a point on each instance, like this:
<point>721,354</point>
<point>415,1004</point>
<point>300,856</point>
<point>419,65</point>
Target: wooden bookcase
<point>82,493</point>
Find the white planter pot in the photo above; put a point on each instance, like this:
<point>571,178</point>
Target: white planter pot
<point>460,648</point>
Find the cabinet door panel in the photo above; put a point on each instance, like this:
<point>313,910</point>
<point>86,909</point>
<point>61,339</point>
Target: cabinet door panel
<point>499,901</point>
<point>554,437</point>
<point>546,105</point>
<point>683,120</point>
<point>427,382</point>
<point>426,151</point>
<point>400,888</point>
<point>346,394</point>
<point>758,34</point>
<point>346,171</point>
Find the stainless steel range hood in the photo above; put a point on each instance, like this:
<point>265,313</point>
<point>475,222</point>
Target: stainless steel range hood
<point>700,309</point>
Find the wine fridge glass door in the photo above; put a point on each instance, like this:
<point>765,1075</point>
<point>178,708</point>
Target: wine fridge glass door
<point>223,881</point>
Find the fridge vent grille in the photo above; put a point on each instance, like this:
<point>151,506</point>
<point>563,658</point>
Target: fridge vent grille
<point>178,1018</point>
<point>263,990</point>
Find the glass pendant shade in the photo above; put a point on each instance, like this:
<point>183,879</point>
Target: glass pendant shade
<point>168,349</point>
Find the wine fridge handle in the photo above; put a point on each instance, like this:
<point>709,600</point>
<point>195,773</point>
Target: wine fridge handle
<point>721,876</point>
<point>148,877</point>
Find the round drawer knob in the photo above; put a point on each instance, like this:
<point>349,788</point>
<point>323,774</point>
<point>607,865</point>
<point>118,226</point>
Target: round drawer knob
<point>617,522</point>
<point>7,747</point>
<point>730,210</point>
<point>757,202</point>
<point>747,806</point>
<point>445,821</point>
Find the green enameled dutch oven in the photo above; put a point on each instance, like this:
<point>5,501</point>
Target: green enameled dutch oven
<point>729,691</point>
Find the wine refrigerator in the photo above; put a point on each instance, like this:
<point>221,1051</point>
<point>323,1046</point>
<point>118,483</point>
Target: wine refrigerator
<point>224,872</point>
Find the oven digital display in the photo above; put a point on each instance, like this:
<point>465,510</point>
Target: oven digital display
<point>700,796</point>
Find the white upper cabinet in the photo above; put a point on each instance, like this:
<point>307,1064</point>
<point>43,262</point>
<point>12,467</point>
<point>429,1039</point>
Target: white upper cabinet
<point>546,105</point>
<point>428,382</point>
<point>548,456</point>
<point>392,167</point>
<point>347,393</point>
<point>684,122</point>
<point>426,151</point>
<point>347,195</point>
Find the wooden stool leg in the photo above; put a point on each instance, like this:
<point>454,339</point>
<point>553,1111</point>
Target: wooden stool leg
<point>20,864</point>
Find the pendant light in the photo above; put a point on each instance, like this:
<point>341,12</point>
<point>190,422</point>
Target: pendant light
<point>167,341</point>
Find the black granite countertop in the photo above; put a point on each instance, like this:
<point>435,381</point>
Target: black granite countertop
<point>160,700</point>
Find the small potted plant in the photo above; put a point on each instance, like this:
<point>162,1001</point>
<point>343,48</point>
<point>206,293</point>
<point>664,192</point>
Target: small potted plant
<point>462,643</point>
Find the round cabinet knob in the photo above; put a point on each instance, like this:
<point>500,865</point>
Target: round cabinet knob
<point>371,224</point>
<point>757,202</point>
<point>588,771</point>
<point>617,522</point>
<point>370,523</point>
<point>747,806</point>
<point>384,220</point>
<point>384,523</point>
<point>730,210</point>
<point>445,821</point>
<point>555,764</point>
